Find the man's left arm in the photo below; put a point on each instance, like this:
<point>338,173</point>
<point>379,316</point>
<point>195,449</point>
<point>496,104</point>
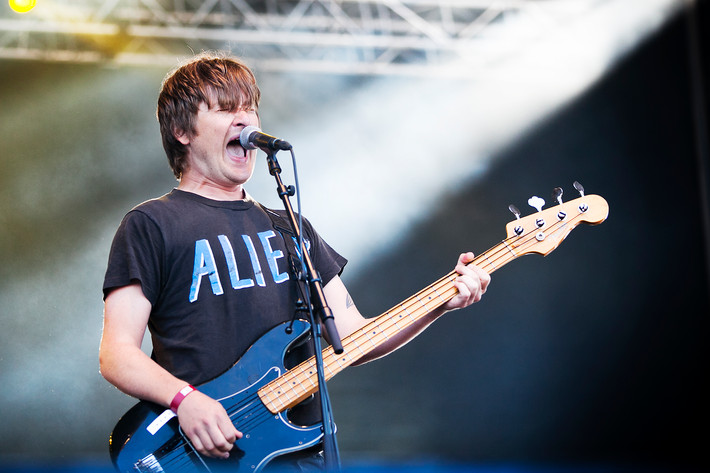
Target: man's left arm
<point>471,283</point>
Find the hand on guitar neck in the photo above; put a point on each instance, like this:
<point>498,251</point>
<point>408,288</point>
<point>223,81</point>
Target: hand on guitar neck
<point>471,283</point>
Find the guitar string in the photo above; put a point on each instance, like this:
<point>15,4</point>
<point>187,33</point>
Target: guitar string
<point>404,307</point>
<point>500,255</point>
<point>179,456</point>
<point>385,325</point>
<point>175,459</point>
<point>501,252</point>
<point>175,453</point>
<point>495,257</point>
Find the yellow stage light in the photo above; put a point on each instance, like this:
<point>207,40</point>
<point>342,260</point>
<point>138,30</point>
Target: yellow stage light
<point>22,6</point>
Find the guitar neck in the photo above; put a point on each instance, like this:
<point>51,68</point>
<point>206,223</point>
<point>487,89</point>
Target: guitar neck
<point>539,233</point>
<point>300,382</point>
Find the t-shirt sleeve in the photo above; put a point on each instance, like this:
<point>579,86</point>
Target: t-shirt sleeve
<point>328,262</point>
<point>136,255</point>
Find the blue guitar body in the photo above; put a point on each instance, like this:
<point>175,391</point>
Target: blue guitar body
<point>148,437</point>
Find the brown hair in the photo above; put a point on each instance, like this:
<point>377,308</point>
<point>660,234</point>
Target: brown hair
<point>212,78</point>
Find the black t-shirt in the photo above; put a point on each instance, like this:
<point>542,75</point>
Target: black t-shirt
<point>216,273</point>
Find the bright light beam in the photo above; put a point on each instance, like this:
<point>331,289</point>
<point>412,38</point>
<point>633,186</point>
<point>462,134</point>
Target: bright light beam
<point>402,145</point>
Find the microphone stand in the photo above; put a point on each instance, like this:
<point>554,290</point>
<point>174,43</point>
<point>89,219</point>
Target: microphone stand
<point>317,301</point>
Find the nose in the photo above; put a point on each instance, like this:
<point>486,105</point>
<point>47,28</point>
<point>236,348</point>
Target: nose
<point>240,118</point>
<point>245,118</point>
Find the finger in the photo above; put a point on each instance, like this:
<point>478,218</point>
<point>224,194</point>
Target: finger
<point>197,444</point>
<point>484,279</point>
<point>222,435</point>
<point>467,257</point>
<point>210,441</point>
<point>476,281</point>
<point>465,293</point>
<point>471,282</point>
<point>203,443</point>
<point>477,273</point>
<point>220,444</point>
<point>229,432</point>
<point>464,260</point>
<point>473,288</point>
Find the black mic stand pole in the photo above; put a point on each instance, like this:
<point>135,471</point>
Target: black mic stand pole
<point>330,443</point>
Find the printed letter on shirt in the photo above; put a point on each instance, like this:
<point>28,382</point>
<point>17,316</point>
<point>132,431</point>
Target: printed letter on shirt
<point>272,256</point>
<point>204,265</point>
<point>232,265</point>
<point>254,261</point>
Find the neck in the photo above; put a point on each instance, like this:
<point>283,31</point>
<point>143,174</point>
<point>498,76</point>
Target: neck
<point>212,191</point>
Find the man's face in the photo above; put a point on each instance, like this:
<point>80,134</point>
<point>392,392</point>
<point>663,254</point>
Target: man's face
<point>215,156</point>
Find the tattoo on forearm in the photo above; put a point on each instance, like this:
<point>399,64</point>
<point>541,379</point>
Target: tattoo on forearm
<point>349,301</point>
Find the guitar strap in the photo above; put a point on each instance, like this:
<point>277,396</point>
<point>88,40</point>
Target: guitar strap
<point>283,227</point>
<point>308,411</point>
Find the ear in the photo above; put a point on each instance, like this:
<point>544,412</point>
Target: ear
<point>181,136</point>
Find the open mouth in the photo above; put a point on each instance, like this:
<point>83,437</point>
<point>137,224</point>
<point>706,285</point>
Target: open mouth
<point>235,149</point>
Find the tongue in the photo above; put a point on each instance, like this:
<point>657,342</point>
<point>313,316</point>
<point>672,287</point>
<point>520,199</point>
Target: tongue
<point>235,149</point>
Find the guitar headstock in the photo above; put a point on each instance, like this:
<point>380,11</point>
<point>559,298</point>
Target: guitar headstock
<point>544,230</point>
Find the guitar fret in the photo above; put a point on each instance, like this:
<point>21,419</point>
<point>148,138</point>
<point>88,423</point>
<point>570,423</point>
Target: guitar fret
<point>509,248</point>
<point>279,400</point>
<point>396,325</point>
<point>310,378</point>
<point>337,360</point>
<point>412,315</point>
<point>439,296</point>
<point>357,345</point>
<point>370,339</point>
<point>490,262</point>
<point>408,314</point>
<point>297,385</point>
<point>423,304</point>
<point>284,391</point>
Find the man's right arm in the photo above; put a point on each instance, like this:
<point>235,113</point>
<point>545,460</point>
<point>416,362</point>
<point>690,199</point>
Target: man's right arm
<point>126,366</point>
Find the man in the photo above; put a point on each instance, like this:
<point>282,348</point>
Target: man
<point>202,266</point>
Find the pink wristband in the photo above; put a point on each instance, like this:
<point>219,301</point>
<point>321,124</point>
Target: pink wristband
<point>182,394</point>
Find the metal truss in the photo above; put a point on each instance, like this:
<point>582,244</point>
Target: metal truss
<point>330,36</point>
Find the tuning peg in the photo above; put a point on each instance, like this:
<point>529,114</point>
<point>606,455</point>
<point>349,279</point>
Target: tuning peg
<point>557,194</point>
<point>583,206</point>
<point>579,188</point>
<point>514,210</point>
<point>536,203</point>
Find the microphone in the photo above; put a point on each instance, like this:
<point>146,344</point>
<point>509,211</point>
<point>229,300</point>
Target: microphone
<point>252,137</point>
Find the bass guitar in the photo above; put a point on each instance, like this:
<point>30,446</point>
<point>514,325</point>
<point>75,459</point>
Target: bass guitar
<point>257,391</point>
